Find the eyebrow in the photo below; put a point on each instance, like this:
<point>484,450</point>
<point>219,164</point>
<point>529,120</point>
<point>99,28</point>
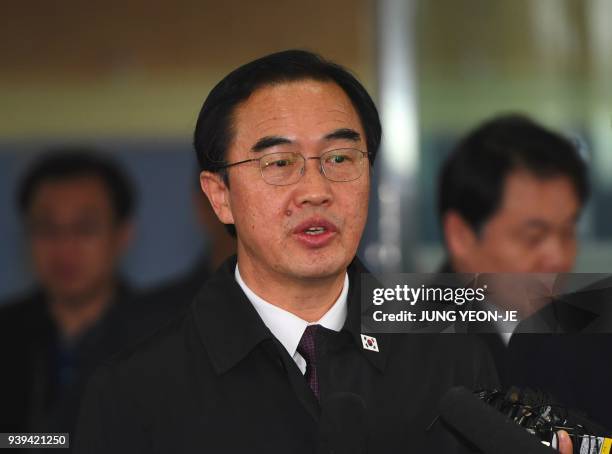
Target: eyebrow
<point>338,134</point>
<point>269,142</point>
<point>344,133</point>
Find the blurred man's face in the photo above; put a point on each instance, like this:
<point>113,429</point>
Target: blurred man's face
<point>534,229</point>
<point>310,229</point>
<point>75,241</point>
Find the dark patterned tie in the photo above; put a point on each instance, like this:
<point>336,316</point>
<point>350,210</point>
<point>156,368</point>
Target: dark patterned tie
<point>307,349</point>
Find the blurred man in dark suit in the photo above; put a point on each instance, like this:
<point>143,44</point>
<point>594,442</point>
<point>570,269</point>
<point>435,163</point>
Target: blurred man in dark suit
<point>510,196</point>
<point>76,206</point>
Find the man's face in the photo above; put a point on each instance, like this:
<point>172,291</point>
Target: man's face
<point>75,241</point>
<point>534,229</point>
<point>273,222</point>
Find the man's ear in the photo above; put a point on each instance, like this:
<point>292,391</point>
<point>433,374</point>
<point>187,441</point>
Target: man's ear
<point>459,236</point>
<point>216,190</point>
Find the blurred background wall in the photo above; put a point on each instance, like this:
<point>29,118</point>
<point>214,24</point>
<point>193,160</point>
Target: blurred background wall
<point>130,78</point>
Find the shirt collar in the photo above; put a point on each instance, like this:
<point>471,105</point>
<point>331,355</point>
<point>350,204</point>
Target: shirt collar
<point>222,307</point>
<point>289,328</point>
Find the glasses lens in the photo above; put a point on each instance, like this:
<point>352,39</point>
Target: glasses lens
<point>345,164</point>
<point>281,168</point>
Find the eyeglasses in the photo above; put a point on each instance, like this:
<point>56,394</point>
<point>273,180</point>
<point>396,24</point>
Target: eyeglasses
<point>285,168</point>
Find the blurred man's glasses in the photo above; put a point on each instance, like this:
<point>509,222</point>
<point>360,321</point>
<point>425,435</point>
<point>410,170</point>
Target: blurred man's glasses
<point>285,168</point>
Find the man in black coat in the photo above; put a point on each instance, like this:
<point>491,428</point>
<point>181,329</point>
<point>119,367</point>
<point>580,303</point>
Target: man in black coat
<point>76,208</point>
<point>270,356</point>
<point>510,196</point>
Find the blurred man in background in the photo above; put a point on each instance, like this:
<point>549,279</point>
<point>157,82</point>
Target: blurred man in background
<point>76,206</point>
<point>511,194</point>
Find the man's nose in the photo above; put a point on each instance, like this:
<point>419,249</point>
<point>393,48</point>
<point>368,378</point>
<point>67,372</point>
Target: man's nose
<point>313,187</point>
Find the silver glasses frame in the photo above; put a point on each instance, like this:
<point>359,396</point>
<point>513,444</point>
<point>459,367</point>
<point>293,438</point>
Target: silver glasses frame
<point>364,154</point>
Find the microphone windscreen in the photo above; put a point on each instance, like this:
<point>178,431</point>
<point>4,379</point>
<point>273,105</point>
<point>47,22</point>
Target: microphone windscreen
<point>484,427</point>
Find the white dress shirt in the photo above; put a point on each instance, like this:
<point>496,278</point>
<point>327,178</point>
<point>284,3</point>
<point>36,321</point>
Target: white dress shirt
<point>287,327</point>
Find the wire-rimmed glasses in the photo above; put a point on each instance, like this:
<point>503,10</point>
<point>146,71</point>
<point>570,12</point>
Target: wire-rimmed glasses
<point>287,167</point>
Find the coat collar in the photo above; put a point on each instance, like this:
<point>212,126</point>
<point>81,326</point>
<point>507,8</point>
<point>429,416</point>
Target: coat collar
<point>227,323</point>
<point>230,327</point>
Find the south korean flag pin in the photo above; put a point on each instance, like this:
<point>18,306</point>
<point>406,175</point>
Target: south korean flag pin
<point>369,343</point>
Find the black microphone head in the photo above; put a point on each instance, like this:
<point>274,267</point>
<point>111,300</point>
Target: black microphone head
<point>343,424</point>
<point>542,416</point>
<point>484,427</point>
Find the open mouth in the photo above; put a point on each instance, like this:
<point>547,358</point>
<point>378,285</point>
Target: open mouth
<point>315,226</point>
<point>315,231</point>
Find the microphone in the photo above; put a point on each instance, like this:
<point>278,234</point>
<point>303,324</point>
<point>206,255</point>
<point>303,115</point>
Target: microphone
<point>343,425</point>
<point>541,416</point>
<point>484,427</point>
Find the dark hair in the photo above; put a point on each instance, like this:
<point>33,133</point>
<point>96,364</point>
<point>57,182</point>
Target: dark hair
<point>69,163</point>
<point>213,131</point>
<point>473,176</point>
